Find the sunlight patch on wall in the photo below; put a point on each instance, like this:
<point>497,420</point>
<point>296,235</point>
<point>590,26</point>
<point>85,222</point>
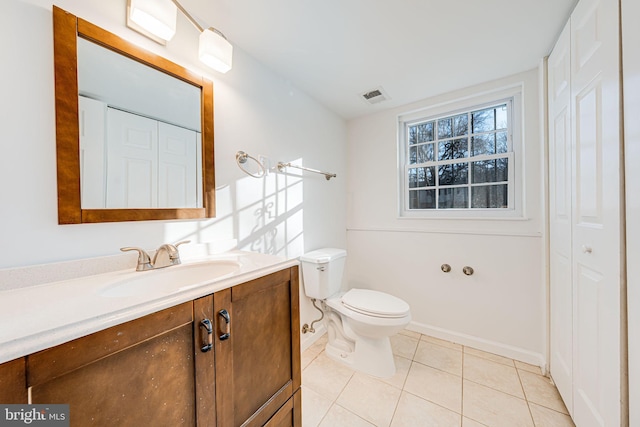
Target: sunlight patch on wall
<point>253,214</point>
<point>269,213</point>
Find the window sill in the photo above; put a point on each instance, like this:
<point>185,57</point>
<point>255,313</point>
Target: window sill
<point>465,218</point>
<point>471,231</point>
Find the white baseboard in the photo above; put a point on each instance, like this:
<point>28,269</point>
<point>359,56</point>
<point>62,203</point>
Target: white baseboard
<point>306,340</point>
<point>494,347</point>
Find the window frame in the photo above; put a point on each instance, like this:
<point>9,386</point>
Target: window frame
<point>511,96</point>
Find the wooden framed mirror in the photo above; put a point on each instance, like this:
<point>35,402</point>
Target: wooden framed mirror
<point>70,32</point>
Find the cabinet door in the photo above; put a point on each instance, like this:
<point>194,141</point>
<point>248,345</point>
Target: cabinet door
<point>258,365</point>
<point>13,384</point>
<point>135,374</point>
<point>205,375</point>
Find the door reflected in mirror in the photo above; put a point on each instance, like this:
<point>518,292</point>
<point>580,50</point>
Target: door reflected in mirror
<point>140,134</point>
<point>143,131</point>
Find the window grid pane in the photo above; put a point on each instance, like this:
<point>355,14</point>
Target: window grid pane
<point>481,181</point>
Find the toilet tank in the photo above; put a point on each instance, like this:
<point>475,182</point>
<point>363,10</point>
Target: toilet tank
<point>322,272</point>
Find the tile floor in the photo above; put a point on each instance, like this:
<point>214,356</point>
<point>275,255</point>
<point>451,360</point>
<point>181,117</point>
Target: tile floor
<point>437,384</point>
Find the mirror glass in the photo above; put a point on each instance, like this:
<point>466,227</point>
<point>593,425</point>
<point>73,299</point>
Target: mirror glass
<point>143,131</point>
<point>140,134</point>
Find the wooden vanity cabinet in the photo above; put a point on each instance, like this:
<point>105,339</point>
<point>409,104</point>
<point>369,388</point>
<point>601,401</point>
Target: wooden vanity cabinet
<point>134,374</point>
<point>289,415</point>
<point>258,365</point>
<point>12,382</point>
<point>156,370</point>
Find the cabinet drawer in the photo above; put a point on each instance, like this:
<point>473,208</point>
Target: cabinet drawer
<point>290,414</point>
<point>53,362</point>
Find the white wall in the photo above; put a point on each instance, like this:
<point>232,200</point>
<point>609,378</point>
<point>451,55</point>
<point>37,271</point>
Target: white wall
<point>502,306</point>
<point>255,110</point>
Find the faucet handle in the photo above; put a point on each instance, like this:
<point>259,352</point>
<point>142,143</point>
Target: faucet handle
<point>144,262</point>
<point>175,255</point>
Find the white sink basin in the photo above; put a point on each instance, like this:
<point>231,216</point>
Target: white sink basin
<point>170,279</point>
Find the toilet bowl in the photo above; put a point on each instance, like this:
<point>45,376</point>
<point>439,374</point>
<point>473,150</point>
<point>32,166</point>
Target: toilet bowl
<point>359,321</point>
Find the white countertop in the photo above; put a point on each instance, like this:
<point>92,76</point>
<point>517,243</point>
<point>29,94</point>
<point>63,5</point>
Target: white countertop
<point>37,317</point>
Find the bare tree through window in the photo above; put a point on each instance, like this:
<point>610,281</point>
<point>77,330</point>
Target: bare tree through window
<point>460,161</point>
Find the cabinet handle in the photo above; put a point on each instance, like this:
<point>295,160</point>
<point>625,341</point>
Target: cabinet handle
<point>227,320</point>
<point>206,335</point>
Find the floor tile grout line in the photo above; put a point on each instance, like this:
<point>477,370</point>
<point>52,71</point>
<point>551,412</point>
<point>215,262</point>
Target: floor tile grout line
<point>462,389</point>
<point>533,421</point>
<point>437,341</point>
<point>412,361</point>
<point>512,365</point>
<point>437,369</point>
<point>498,390</point>
<point>400,397</point>
<point>404,382</point>
<point>335,403</point>
<point>450,347</point>
<point>476,421</point>
<point>325,415</point>
<point>432,402</point>
<point>353,372</point>
<point>415,350</point>
<point>551,409</point>
<point>543,405</point>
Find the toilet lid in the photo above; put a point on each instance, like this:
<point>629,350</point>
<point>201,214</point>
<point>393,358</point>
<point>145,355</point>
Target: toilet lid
<point>375,303</point>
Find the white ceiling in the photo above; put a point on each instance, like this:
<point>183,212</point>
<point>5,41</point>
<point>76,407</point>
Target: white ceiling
<point>337,49</point>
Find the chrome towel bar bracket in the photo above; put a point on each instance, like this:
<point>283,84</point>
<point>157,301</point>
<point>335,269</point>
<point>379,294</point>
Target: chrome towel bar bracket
<point>241,160</point>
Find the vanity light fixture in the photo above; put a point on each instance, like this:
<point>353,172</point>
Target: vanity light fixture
<point>158,17</point>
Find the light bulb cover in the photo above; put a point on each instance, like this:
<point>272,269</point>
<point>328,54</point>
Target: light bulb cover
<point>155,16</point>
<point>215,51</point>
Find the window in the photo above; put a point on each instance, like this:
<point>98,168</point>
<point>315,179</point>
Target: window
<point>460,161</point>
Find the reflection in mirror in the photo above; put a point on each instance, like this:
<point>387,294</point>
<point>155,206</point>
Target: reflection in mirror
<point>134,130</point>
<point>140,134</point>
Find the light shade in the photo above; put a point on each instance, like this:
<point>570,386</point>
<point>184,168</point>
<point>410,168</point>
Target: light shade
<point>215,51</point>
<point>155,16</point>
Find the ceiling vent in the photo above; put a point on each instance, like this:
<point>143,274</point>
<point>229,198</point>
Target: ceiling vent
<point>375,96</point>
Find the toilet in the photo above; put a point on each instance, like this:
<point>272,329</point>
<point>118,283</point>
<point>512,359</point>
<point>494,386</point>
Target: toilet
<point>359,322</point>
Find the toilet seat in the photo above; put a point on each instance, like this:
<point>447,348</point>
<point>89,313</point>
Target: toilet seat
<point>374,303</point>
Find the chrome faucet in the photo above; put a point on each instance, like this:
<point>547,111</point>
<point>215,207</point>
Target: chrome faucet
<point>166,256</point>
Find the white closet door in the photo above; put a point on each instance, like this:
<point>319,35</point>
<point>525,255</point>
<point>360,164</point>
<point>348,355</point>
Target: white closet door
<point>177,167</point>
<point>132,161</point>
<point>92,125</point>
<point>631,74</point>
<point>596,230</point>
<point>560,185</point>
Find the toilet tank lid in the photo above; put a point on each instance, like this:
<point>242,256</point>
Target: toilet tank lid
<point>321,256</point>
